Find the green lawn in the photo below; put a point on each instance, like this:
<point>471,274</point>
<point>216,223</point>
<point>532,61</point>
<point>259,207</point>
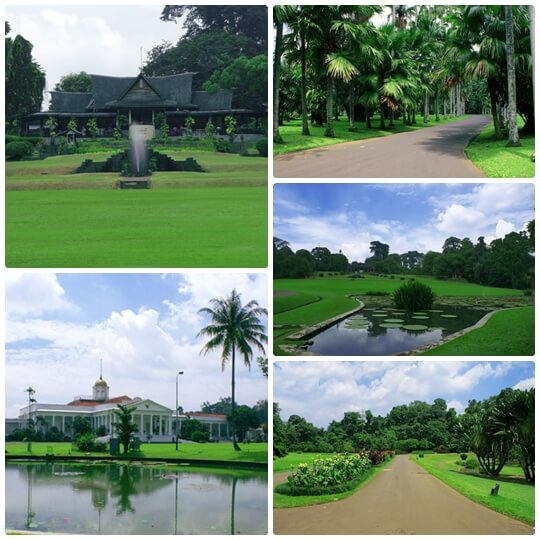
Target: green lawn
<point>293,460</point>
<point>493,337</point>
<point>334,294</point>
<point>213,219</point>
<point>294,141</point>
<point>256,452</point>
<point>497,160</point>
<point>514,499</point>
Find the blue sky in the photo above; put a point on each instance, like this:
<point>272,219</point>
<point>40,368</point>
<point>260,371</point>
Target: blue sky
<point>321,391</point>
<point>406,216</point>
<point>143,326</point>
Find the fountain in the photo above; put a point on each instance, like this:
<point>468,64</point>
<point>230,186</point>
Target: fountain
<point>137,174</point>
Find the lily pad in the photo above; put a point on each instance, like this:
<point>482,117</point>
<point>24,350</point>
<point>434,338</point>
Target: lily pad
<point>393,321</point>
<point>416,327</point>
<point>436,310</point>
<point>449,316</point>
<point>420,313</point>
<point>423,317</point>
<point>380,314</point>
<point>390,325</point>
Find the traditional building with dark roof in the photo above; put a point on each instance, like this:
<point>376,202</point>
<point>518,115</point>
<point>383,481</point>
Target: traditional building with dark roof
<point>139,99</point>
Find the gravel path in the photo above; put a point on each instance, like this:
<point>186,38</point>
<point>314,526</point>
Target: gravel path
<point>401,499</point>
<point>434,152</point>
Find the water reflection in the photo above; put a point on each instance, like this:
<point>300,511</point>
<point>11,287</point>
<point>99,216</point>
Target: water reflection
<point>124,499</point>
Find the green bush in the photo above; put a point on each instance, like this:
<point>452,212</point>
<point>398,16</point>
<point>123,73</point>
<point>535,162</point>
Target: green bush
<point>377,293</point>
<point>262,147</point>
<point>463,456</point>
<point>471,463</point>
<point>221,145</point>
<point>413,296</point>
<point>18,150</point>
<point>15,138</point>
<point>86,442</point>
<point>199,436</point>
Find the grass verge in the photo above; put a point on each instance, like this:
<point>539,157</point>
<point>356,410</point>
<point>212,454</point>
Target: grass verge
<point>294,141</point>
<point>286,501</point>
<point>497,160</point>
<point>494,337</point>
<point>514,499</point>
<point>255,452</point>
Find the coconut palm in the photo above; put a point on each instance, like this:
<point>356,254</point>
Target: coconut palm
<point>234,328</point>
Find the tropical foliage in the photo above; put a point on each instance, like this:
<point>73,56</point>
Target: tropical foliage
<point>433,60</point>
<point>413,296</point>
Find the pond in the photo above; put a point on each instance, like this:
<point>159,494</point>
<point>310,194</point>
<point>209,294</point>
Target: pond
<point>378,331</point>
<point>78,498</point>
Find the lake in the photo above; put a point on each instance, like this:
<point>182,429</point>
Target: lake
<point>78,498</point>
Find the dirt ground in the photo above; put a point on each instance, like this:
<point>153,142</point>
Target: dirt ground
<point>401,499</point>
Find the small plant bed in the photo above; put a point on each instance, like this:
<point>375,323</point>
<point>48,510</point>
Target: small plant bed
<point>515,499</point>
<point>327,478</point>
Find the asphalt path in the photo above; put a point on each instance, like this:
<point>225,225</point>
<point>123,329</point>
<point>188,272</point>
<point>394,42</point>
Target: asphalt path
<point>401,499</point>
<point>434,152</point>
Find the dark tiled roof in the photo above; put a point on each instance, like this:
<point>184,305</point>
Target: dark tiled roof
<point>69,102</point>
<point>176,88</point>
<point>219,101</point>
<point>105,88</point>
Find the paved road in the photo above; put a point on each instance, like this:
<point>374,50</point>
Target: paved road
<point>434,152</point>
<point>401,499</point>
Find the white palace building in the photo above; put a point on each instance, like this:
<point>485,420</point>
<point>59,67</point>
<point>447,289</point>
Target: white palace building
<point>156,422</point>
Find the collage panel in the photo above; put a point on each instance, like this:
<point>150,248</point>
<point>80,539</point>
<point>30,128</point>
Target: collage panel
<point>404,91</point>
<point>126,412</point>
<point>404,269</point>
<point>403,447</point>
<point>143,144</point>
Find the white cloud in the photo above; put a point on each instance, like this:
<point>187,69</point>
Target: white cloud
<point>525,384</point>
<point>503,228</point>
<point>458,219</point>
<point>34,294</point>
<point>322,391</point>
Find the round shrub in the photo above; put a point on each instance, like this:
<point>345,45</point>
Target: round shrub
<point>262,147</point>
<point>471,463</point>
<point>199,436</point>
<point>463,457</point>
<point>413,296</point>
<point>17,150</point>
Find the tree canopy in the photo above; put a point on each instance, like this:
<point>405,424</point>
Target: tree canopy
<point>75,82</point>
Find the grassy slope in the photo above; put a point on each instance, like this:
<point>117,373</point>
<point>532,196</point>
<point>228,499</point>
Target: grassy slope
<point>514,499</point>
<point>292,460</point>
<point>218,219</point>
<point>492,338</point>
<point>257,452</point>
<point>497,160</point>
<point>294,141</point>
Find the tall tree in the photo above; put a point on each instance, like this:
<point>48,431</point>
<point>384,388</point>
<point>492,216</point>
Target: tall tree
<point>513,135</point>
<point>124,426</point>
<point>75,82</point>
<point>234,328</point>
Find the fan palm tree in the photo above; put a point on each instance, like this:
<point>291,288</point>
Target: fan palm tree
<point>513,136</point>
<point>234,328</point>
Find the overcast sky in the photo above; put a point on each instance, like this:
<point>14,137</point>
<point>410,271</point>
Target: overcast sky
<point>405,216</point>
<point>104,40</point>
<point>143,326</point>
<point>321,391</point>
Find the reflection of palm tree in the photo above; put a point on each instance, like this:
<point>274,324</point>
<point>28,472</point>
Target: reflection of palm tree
<point>124,488</point>
<point>233,327</point>
<point>233,498</point>
<point>29,513</point>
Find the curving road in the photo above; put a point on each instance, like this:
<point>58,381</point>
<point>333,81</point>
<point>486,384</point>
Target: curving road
<point>434,152</point>
<point>401,499</point>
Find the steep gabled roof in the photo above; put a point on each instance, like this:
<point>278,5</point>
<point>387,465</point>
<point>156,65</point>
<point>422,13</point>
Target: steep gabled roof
<point>69,102</point>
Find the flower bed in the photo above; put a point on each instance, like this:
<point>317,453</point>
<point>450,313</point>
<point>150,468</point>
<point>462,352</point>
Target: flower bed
<point>335,474</point>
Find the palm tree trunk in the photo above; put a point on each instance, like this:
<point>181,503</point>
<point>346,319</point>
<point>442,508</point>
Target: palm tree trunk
<point>351,107</point>
<point>305,127</point>
<point>494,109</point>
<point>368,118</point>
<point>329,131</point>
<point>513,135</point>
<point>437,118</point>
<point>233,405</point>
<point>531,28</point>
<point>381,124</point>
<point>277,69</point>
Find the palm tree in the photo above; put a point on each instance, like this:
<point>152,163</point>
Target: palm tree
<point>125,427</point>
<point>234,328</point>
<point>513,135</point>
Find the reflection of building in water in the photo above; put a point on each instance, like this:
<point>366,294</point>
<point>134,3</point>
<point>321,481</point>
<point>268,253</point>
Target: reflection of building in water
<point>154,420</point>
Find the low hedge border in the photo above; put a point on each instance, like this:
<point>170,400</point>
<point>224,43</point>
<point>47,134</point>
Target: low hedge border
<point>293,491</point>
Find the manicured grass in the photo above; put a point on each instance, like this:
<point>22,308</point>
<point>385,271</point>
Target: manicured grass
<point>287,302</point>
<point>213,219</point>
<point>294,141</point>
<point>294,459</point>
<point>335,298</point>
<point>514,499</point>
<point>497,160</point>
<point>286,501</point>
<point>255,452</point>
<point>493,337</point>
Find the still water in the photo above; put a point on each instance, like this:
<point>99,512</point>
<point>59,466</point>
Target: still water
<point>370,331</point>
<point>123,499</point>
